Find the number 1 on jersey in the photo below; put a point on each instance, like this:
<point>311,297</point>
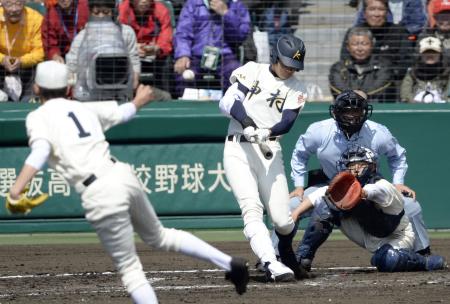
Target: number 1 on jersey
<point>82,133</point>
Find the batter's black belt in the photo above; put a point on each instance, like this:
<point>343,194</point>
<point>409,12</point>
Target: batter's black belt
<point>243,139</point>
<point>92,177</point>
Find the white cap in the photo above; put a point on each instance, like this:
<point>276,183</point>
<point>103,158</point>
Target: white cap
<point>430,44</point>
<point>51,75</point>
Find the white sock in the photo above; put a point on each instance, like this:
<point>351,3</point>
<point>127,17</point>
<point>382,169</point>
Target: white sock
<point>144,294</point>
<point>258,235</point>
<point>195,247</point>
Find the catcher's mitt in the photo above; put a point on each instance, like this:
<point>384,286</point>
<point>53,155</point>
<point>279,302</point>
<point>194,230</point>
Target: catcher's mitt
<point>25,203</point>
<point>344,191</point>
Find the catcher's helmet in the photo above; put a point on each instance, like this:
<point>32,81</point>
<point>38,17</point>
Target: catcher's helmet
<point>290,50</point>
<point>350,110</point>
<point>359,154</point>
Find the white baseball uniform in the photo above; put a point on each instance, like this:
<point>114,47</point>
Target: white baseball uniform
<point>387,199</point>
<point>256,181</point>
<point>112,196</point>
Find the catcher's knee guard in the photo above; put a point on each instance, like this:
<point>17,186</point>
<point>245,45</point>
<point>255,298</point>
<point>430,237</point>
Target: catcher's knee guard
<point>388,259</point>
<point>319,228</point>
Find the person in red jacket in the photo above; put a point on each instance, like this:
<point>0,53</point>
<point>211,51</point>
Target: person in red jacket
<point>63,20</point>
<point>152,25</point>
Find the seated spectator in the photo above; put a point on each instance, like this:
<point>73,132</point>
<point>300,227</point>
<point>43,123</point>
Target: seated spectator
<point>363,70</point>
<point>205,39</point>
<point>63,20</point>
<point>102,35</point>
<point>391,40</point>
<point>20,49</point>
<point>408,13</point>
<point>151,22</point>
<point>428,80</point>
<point>273,17</point>
<point>440,10</point>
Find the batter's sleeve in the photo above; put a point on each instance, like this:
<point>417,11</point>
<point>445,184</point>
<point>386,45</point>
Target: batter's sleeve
<point>246,74</point>
<point>296,97</point>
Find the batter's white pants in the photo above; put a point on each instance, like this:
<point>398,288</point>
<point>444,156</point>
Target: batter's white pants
<point>259,183</point>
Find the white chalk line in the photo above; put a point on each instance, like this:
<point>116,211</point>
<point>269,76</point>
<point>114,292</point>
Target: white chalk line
<point>108,273</point>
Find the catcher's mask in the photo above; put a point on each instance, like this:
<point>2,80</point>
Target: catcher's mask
<point>360,161</point>
<point>350,110</point>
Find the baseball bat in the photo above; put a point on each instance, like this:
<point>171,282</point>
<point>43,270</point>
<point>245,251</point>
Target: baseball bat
<point>265,150</point>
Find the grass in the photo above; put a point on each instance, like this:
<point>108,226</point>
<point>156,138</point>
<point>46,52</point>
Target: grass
<point>215,235</point>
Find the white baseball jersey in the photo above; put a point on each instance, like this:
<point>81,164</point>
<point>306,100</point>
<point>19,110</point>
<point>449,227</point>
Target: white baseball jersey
<point>268,95</point>
<point>75,133</point>
<point>387,199</point>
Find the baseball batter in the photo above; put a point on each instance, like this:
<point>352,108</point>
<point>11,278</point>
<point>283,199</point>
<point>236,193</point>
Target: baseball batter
<point>70,135</point>
<point>262,104</point>
<point>373,218</point>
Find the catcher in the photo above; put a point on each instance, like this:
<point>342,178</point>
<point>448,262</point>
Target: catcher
<point>369,211</point>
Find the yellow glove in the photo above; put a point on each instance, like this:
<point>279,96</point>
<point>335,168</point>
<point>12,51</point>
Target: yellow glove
<point>24,204</point>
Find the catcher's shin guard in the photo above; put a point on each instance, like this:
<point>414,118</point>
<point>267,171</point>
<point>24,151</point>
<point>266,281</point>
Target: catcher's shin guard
<point>316,233</point>
<point>388,259</point>
<point>287,254</point>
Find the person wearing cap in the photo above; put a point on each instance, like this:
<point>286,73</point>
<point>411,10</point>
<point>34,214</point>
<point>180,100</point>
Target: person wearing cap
<point>69,135</point>
<point>263,104</point>
<point>391,40</point>
<point>20,48</point>
<point>364,70</point>
<point>428,80</point>
<point>440,25</point>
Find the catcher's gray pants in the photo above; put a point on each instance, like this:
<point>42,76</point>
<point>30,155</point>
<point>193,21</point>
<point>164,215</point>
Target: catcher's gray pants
<point>413,211</point>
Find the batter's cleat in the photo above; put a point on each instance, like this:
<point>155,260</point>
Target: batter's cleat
<point>238,275</point>
<point>435,262</point>
<point>259,266</point>
<point>306,264</point>
<point>277,272</point>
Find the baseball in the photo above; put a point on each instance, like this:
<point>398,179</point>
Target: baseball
<point>188,75</point>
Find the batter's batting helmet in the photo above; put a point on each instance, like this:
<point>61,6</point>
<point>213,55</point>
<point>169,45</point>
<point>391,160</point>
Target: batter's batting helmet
<point>290,50</point>
<point>350,110</point>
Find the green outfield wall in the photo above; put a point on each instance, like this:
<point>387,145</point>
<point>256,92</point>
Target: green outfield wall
<point>176,152</point>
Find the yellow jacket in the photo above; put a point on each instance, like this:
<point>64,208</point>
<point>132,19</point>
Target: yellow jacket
<point>28,44</point>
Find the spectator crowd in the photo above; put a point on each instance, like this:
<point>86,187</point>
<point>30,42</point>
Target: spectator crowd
<point>396,50</point>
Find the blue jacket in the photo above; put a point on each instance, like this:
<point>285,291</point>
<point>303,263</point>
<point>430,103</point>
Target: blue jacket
<point>414,16</point>
<point>198,26</point>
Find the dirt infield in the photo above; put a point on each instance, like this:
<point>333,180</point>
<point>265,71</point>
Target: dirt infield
<point>84,274</point>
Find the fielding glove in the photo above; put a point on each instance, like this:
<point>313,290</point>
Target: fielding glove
<point>24,204</point>
<point>344,191</point>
